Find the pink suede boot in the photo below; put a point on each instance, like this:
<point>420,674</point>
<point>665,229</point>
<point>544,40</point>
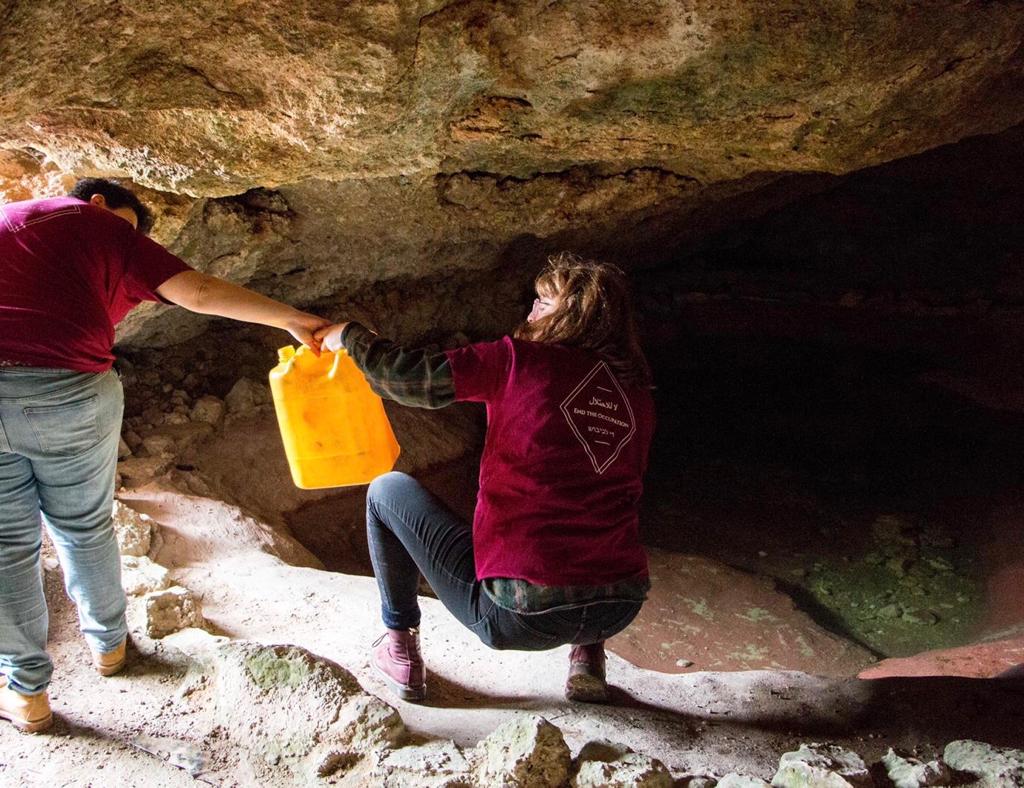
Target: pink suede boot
<point>586,682</point>
<point>396,655</point>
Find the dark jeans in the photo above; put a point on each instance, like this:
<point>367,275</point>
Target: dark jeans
<point>410,531</point>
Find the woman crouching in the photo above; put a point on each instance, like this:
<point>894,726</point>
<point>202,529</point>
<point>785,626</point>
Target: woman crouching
<point>553,555</point>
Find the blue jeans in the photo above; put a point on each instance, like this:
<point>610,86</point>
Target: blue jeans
<point>59,433</point>
<point>410,531</point>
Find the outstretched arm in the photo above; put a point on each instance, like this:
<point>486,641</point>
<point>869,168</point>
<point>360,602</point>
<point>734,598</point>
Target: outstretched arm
<point>208,295</point>
<point>414,377</point>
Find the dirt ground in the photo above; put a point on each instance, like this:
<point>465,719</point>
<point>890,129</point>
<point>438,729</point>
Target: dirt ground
<point>759,564</point>
<point>706,723</point>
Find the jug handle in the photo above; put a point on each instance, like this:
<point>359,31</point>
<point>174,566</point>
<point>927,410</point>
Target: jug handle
<point>286,356</point>
<point>334,367</point>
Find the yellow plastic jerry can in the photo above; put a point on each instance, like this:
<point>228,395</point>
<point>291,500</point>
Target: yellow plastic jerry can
<point>334,428</point>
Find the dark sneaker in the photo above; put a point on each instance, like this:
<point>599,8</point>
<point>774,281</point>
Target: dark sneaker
<point>586,682</point>
<point>28,713</point>
<point>396,656</point>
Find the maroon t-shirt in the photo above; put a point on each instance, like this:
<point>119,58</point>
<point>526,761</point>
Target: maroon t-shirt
<point>69,272</point>
<point>562,466</point>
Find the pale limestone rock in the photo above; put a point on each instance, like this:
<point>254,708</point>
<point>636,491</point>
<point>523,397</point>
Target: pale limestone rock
<point>913,773</point>
<point>992,767</point>
<point>168,611</point>
<point>246,395</point>
<point>140,575</point>
<point>369,722</point>
<point>733,780</point>
<point>632,770</point>
<point>438,764</point>
<point>137,471</point>
<point>527,751</point>
<point>124,451</point>
<point>209,410</point>
<point>134,530</point>
<point>601,762</point>
<point>234,107</point>
<point>822,766</point>
<point>288,707</point>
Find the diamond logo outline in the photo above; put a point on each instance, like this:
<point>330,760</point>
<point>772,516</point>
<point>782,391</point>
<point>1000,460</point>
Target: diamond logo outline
<point>600,467</point>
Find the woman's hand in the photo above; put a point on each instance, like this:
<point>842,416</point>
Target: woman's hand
<point>329,336</point>
<point>304,327</point>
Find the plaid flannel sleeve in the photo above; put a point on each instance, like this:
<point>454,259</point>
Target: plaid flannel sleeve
<point>417,378</point>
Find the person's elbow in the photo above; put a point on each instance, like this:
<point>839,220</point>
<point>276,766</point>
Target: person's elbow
<point>189,289</point>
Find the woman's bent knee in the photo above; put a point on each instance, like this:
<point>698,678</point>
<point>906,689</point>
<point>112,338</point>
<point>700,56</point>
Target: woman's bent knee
<point>389,484</point>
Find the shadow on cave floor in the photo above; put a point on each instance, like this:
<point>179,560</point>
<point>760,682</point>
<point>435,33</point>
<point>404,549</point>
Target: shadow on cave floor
<point>334,528</point>
<point>889,509</point>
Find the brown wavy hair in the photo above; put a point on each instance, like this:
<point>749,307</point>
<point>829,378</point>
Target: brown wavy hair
<point>594,312</point>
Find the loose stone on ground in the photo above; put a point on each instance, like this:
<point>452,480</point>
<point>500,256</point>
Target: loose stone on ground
<point>992,767</point>
<point>907,772</point>
<point>822,766</point>
<point>527,751</point>
<point>159,613</point>
<point>134,531</point>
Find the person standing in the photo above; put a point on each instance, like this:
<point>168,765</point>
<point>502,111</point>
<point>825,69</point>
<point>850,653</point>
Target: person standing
<point>553,555</point>
<point>70,269</point>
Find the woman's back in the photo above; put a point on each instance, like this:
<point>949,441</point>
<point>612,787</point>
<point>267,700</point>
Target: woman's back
<point>562,467</point>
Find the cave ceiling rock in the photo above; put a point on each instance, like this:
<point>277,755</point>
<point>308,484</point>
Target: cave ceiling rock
<point>312,148</point>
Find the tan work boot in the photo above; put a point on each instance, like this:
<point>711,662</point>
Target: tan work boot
<point>586,682</point>
<point>110,662</point>
<point>28,713</point>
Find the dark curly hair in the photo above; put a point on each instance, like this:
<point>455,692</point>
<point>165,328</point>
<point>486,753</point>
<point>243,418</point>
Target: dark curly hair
<point>117,196</point>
